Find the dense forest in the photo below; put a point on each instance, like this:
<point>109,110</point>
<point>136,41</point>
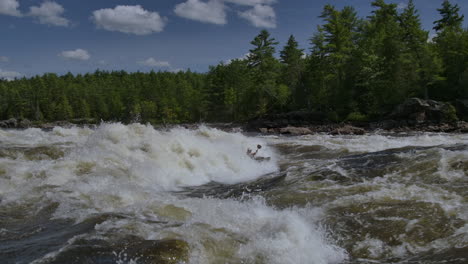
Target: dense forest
<point>356,69</point>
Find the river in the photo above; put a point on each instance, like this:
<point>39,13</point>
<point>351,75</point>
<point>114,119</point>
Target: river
<point>132,194</point>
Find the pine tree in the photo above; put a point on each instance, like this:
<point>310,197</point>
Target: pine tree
<point>451,46</point>
<point>450,17</point>
<point>265,69</point>
<point>292,58</point>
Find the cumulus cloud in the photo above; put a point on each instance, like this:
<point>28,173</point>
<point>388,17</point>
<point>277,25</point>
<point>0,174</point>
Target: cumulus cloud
<point>251,2</point>
<point>260,16</point>
<point>212,11</point>
<point>49,13</point>
<point>9,75</point>
<point>129,19</point>
<point>261,13</point>
<point>4,59</point>
<point>78,54</point>
<point>152,62</point>
<point>9,7</point>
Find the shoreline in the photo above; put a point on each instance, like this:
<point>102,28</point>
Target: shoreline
<point>269,127</point>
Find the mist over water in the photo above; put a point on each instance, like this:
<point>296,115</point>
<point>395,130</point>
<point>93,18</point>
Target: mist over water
<point>132,194</point>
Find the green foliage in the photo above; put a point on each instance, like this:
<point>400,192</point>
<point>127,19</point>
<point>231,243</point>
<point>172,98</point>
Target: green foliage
<point>357,69</point>
<point>450,17</point>
<point>357,117</point>
<point>451,113</point>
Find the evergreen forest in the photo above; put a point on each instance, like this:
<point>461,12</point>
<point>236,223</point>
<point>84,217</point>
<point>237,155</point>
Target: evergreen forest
<point>355,69</point>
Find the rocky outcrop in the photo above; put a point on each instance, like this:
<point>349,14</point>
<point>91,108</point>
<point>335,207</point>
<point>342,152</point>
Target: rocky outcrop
<point>417,111</point>
<point>10,123</point>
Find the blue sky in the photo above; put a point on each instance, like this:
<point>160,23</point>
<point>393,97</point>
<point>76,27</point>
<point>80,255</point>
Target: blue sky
<point>81,36</point>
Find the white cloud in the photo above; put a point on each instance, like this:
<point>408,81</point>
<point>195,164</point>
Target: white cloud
<point>152,62</point>
<point>78,54</point>
<point>251,2</point>
<point>49,13</point>
<point>178,70</point>
<point>4,59</point>
<point>260,16</point>
<point>229,61</point>
<point>402,6</point>
<point>212,11</point>
<point>9,75</point>
<point>9,7</point>
<point>129,19</point>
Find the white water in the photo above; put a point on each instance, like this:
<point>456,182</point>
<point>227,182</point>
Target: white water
<point>134,169</point>
<point>137,171</point>
<point>372,142</point>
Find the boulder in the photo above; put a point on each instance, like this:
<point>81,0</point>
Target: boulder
<point>416,111</point>
<point>10,123</point>
<point>24,123</point>
<point>295,130</point>
<point>348,130</point>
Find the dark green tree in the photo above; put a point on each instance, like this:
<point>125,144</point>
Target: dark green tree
<point>292,59</point>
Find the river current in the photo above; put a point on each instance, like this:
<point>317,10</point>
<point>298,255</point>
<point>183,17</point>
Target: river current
<point>133,194</point>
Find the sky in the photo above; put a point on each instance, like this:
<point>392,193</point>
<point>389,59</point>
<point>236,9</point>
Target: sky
<point>80,36</point>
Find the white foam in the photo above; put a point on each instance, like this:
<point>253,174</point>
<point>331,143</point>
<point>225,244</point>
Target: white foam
<point>372,142</point>
<point>245,230</point>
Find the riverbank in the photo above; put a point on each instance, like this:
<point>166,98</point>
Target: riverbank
<point>414,115</point>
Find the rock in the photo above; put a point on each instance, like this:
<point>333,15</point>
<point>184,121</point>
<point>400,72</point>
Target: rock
<point>24,123</point>
<point>348,130</point>
<point>295,130</point>
<point>10,123</point>
<point>416,111</point>
<point>462,127</point>
<point>263,130</point>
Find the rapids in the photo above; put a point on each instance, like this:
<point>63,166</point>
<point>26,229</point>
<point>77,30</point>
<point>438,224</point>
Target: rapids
<point>132,194</point>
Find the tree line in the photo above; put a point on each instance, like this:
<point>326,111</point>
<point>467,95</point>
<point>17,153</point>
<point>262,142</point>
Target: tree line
<point>356,69</point>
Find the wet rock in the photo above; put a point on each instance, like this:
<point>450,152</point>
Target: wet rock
<point>348,130</point>
<point>295,130</point>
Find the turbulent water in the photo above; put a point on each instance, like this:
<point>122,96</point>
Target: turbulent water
<point>132,194</point>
